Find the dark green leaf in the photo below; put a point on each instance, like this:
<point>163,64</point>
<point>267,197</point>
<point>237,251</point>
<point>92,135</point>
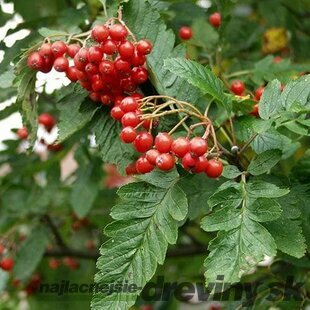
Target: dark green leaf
<point>231,172</point>
<point>264,162</point>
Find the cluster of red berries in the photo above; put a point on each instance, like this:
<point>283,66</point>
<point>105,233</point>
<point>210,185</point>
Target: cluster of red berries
<point>163,151</point>
<point>67,261</point>
<point>111,67</point>
<point>6,263</point>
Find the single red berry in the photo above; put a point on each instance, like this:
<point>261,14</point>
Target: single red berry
<point>81,58</point>
<point>147,124</point>
<point>73,49</point>
<point>237,87</point>
<point>258,92</point>
<point>59,48</point>
<point>163,142</point>
<point>35,61</point>
<point>22,134</point>
<point>117,113</point>
<point>106,67</point>
<point>137,59</point>
<point>254,111</point>
<point>7,263</point>
<point>143,165</point>
<point>47,65</point>
<point>128,85</point>
<point>71,263</point>
<point>131,169</point>
<point>214,168</point>
<point>61,64</point>
<point>47,120</point>
<point>122,66</point>
<point>201,164</point>
<point>108,47</point>
<point>118,32</point>
<point>189,162</point>
<point>100,33</point>
<point>139,75</point>
<point>130,119</point>
<point>137,96</point>
<point>151,156</point>
<point>144,47</point>
<point>96,97</point>
<point>165,161</point>
<point>143,142</point>
<point>91,69</point>
<point>128,134</point>
<point>97,86</point>
<point>180,146</point>
<point>46,50</point>
<point>277,59</point>
<point>83,77</point>
<point>86,85</point>
<point>95,54</point>
<point>126,50</point>
<point>198,146</point>
<point>215,19</point>
<point>118,100</point>
<point>185,33</point>
<point>53,263</point>
<point>72,74</point>
<point>146,307</point>
<point>106,99</point>
<point>129,104</point>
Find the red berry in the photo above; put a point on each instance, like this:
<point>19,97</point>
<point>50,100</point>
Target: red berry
<point>91,69</point>
<point>46,120</point>
<point>144,47</point>
<point>143,165</point>
<point>201,164</point>
<point>22,134</point>
<point>126,50</point>
<point>53,263</point>
<point>129,104</point>
<point>180,146</point>
<point>163,142</point>
<point>72,74</point>
<point>131,169</point>
<point>185,33</point>
<point>118,32</point>
<point>71,263</point>
<point>81,58</point>
<point>143,142</point>
<point>139,75</point>
<point>215,19</point>
<point>122,65</point>
<point>46,50</point>
<point>188,161</point>
<point>128,85</point>
<point>130,119</point>
<point>7,264</point>
<point>214,168</point>
<point>198,146</point>
<point>95,96</point>
<point>118,100</point>
<point>137,59</point>
<point>61,64</point>
<point>151,156</point>
<point>95,54</point>
<point>83,77</point>
<point>237,87</point>
<point>106,67</point>
<point>59,48</point>
<point>117,113</point>
<point>73,49</point>
<point>137,96</point>
<point>128,134</point>
<point>277,59</point>
<point>35,61</point>
<point>108,47</point>
<point>48,64</point>
<point>254,111</point>
<point>147,124</point>
<point>258,92</point>
<point>165,162</point>
<point>100,33</point>
<point>97,85</point>
<point>106,99</point>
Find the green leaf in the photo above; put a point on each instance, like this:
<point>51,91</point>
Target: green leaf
<point>26,101</point>
<point>112,149</point>
<point>268,140</point>
<point>201,77</point>
<point>146,23</point>
<point>146,224</point>
<point>46,32</point>
<point>228,197</point>
<point>75,113</point>
<point>296,92</point>
<point>270,103</point>
<point>231,172</point>
<point>6,112</point>
<point>288,236</point>
<point>257,189</point>
<point>264,210</point>
<point>264,162</point>
<point>7,78</point>
<point>86,187</point>
<point>30,253</point>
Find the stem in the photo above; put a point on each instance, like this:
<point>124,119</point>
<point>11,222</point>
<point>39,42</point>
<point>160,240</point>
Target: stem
<point>248,143</point>
<point>238,73</point>
<point>178,125</point>
<point>46,218</point>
